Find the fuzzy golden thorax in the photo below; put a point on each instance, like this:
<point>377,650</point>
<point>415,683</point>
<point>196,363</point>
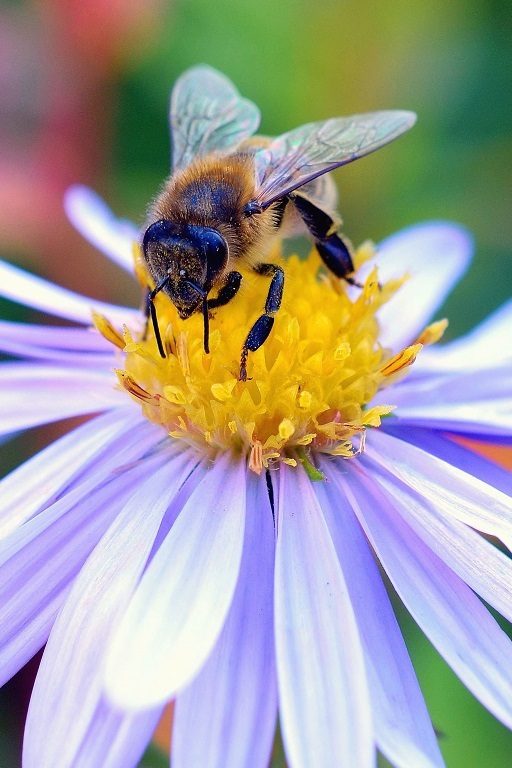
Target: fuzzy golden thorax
<point>213,191</point>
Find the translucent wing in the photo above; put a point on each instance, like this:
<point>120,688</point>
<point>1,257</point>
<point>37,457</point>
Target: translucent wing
<point>208,114</point>
<point>301,155</point>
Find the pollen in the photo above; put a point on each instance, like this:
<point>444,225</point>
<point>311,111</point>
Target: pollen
<point>310,385</point>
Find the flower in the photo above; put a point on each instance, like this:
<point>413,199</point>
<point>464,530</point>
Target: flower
<point>194,541</point>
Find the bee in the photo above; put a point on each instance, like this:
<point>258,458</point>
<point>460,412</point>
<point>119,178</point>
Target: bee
<point>231,193</point>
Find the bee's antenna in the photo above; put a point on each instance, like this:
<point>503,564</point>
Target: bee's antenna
<point>206,317</point>
<point>206,325</point>
<point>151,311</point>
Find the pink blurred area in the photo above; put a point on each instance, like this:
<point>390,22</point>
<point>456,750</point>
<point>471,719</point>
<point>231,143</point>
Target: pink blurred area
<point>59,63</point>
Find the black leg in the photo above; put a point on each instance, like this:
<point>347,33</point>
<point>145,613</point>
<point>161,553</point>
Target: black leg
<point>151,312</point>
<point>228,290</point>
<point>263,325</point>
<point>333,251</point>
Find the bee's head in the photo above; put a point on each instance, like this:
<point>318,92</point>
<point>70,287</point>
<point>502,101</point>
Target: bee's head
<point>190,257</point>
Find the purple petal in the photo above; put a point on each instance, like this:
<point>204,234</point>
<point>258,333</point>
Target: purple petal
<point>435,255</point>
<point>67,691</point>
<point>38,394</point>
<point>403,729</point>
<point>32,291</point>
<point>441,446</point>
<point>459,496</point>
<point>40,558</point>
<point>36,483</point>
<point>449,613</point>
<point>96,222</point>
<point>50,337</point>
<point>478,563</point>
<point>226,717</point>
<point>115,739</point>
<point>180,606</point>
<point>487,346</point>
<point>474,403</point>
<point>324,704</point>
<point>23,349</point>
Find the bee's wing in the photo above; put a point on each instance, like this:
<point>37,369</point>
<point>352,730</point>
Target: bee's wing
<point>208,114</point>
<point>301,155</point>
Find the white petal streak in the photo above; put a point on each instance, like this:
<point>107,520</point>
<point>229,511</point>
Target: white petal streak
<point>226,717</point>
<point>90,215</point>
<point>35,483</point>
<point>403,729</point>
<point>455,493</point>
<point>435,255</point>
<point>68,687</point>
<point>38,394</point>
<point>180,606</point>
<point>35,292</point>
<point>450,614</point>
<point>323,695</point>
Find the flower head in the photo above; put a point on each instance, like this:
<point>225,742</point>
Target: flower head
<point>214,541</point>
<point>311,382</point>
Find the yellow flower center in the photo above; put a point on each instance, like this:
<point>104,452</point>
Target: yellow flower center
<point>309,385</point>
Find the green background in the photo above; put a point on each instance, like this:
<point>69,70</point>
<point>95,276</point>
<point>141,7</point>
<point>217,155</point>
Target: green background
<point>299,61</point>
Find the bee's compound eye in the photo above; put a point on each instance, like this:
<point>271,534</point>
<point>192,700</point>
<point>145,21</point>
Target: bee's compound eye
<point>162,232</point>
<point>215,249</point>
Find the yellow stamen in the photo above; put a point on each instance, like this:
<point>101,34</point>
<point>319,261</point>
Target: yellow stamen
<point>402,360</point>
<point>433,333</point>
<point>309,385</point>
<point>107,330</point>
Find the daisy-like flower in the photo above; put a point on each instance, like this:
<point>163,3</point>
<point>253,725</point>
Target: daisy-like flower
<point>218,541</point>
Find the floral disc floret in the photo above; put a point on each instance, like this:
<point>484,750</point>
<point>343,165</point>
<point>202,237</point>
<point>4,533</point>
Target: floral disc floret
<point>311,384</point>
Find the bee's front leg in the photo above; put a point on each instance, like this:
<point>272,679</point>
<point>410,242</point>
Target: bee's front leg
<point>263,325</point>
<point>228,290</point>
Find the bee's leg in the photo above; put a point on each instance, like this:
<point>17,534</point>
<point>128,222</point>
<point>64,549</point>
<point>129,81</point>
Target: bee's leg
<point>263,325</point>
<point>333,250</point>
<point>151,312</point>
<point>228,290</point>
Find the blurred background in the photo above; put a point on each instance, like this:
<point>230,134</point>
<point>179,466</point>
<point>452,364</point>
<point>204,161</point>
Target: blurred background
<point>84,87</point>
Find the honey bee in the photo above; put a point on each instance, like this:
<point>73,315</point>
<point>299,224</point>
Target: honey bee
<point>231,193</point>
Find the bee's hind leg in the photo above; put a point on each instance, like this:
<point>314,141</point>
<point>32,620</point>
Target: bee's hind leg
<point>263,325</point>
<point>333,250</point>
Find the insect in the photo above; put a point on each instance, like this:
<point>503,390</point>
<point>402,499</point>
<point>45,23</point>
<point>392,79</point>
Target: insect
<point>230,193</point>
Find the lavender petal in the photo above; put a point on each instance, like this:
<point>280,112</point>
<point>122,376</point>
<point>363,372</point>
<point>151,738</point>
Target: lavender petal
<point>403,729</point>
<point>450,614</point>
<point>226,717</point>
<point>90,215</point>
<point>68,688</point>
<point>324,707</point>
<point>180,606</point>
